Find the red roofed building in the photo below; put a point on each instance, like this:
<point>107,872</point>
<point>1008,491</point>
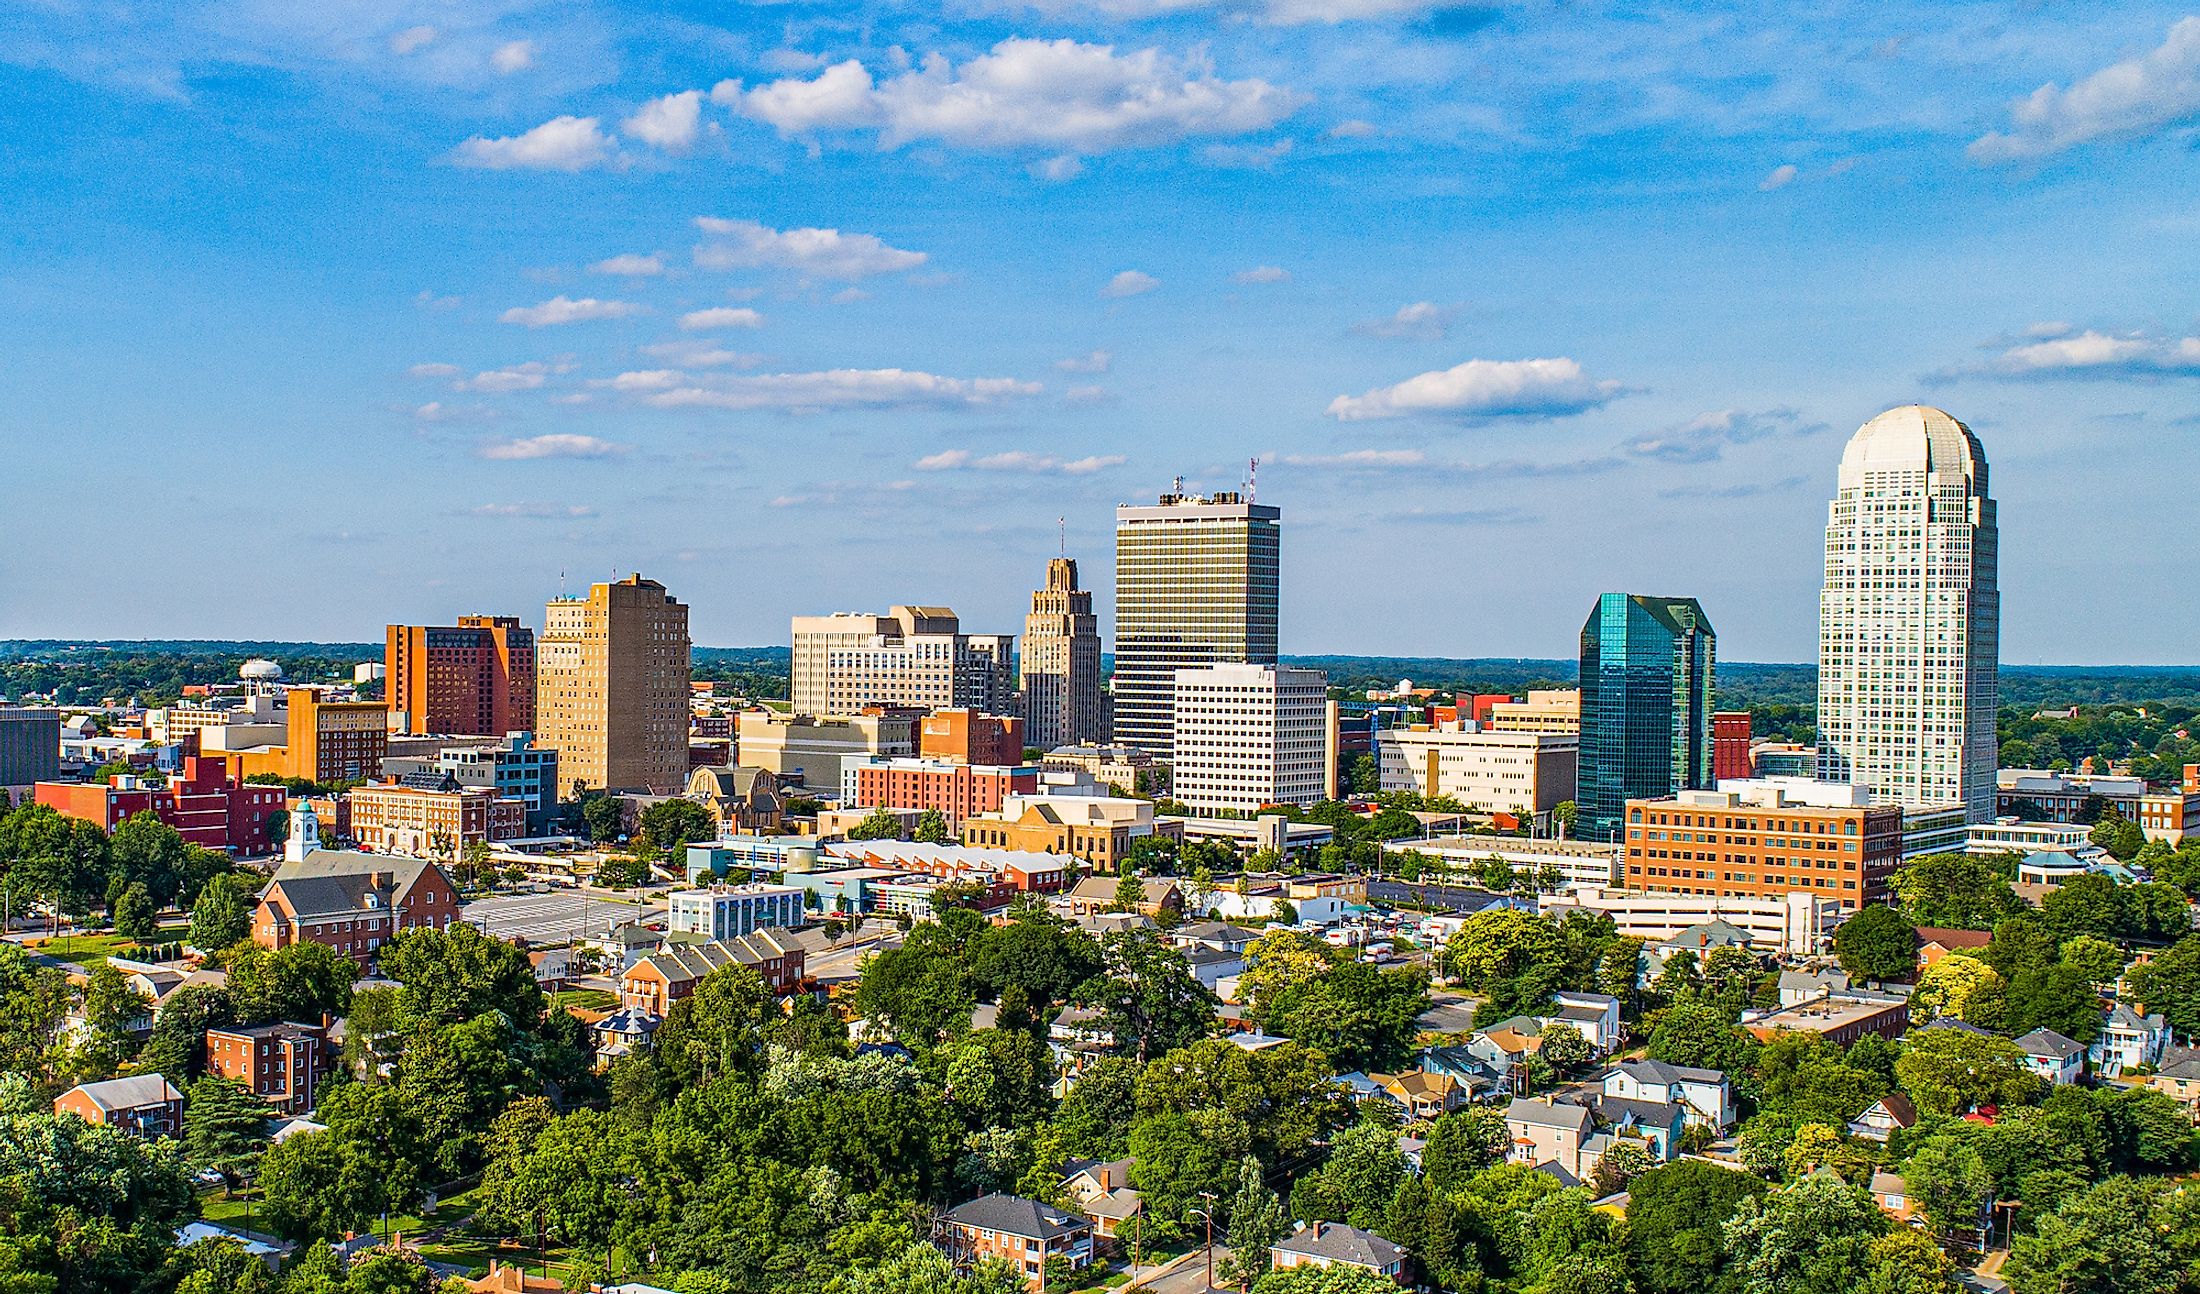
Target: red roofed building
<point>203,803</point>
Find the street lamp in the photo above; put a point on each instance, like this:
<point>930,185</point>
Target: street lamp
<point>1207,1215</point>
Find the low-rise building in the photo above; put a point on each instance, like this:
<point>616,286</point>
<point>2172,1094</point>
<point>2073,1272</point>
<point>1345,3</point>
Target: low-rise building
<point>811,751</point>
<point>282,1063</point>
<point>663,977</point>
<point>743,800</point>
<point>1333,1244</point>
<point>728,911</point>
<point>1884,1117</point>
<point>1017,871</point>
<point>2011,836</point>
<point>962,735</point>
<point>1705,1094</point>
<point>2179,1078</point>
<point>1103,1192</point>
<point>1548,711</point>
<point>353,902</point>
<point>1799,923</point>
<point>433,821</point>
<point>2053,1057</point>
<point>143,1105</point>
<point>1575,863</point>
<point>204,803</point>
<point>957,792</point>
<point>759,855</point>
<point>513,766</point>
<point>2128,1040</point>
<point>1025,1233</point>
<point>1549,1132</point>
<point>1125,768</point>
<point>1526,774</point>
<point>1841,1018</point>
<point>1765,839</point>
<point>1095,829</point>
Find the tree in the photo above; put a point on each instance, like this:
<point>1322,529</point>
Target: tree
<point>2170,984</point>
<point>1145,995</point>
<point>931,828</point>
<point>1356,1183</point>
<point>1960,890</point>
<point>455,974</point>
<point>1130,893</point>
<point>1565,816</point>
<point>670,825</point>
<point>1358,1015</point>
<point>295,982</point>
<point>881,824</point>
<point>1814,1236</point>
<point>1948,1071</point>
<point>222,914</point>
<point>1179,1157</point>
<point>2120,836</point>
<point>136,915</point>
<point>108,1037</point>
<point>1621,1163</point>
<point>1037,952</point>
<point>918,993</point>
<point>1675,1219</point>
<point>1946,1177</point>
<point>1878,943</point>
<point>1701,1036</point>
<point>34,999</point>
<point>1463,1143</point>
<point>84,1208</point>
<point>2126,1235</point>
<point>1332,1279</point>
<point>1285,1097</point>
<point>146,851</point>
<point>315,1186</point>
<point>381,1128</point>
<point>1564,1048</point>
<point>224,1126</point>
<point>177,1045</point>
<point>1959,986</point>
<point>717,1029</point>
<point>1258,1219</point>
<point>604,816</point>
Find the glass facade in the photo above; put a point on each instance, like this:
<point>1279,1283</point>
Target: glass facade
<point>1646,683</point>
<point>1196,585</point>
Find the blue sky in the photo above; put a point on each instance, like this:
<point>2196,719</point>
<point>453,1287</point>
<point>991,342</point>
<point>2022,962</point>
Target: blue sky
<point>318,316</point>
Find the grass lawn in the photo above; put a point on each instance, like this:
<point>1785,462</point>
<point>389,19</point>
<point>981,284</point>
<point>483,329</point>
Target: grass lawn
<point>79,947</point>
<point>587,999</point>
<point>473,1252</point>
<point>226,1208</point>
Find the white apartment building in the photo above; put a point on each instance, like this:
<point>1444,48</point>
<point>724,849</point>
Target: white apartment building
<point>911,656</point>
<point>729,911</point>
<point>1909,637</point>
<point>1578,863</point>
<point>1250,735</point>
<point>1798,923</point>
<point>1523,773</point>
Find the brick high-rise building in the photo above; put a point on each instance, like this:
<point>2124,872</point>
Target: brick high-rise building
<point>204,803</point>
<point>1765,838</point>
<point>334,741</point>
<point>965,736</point>
<point>1060,664</point>
<point>472,679</point>
<point>611,688</point>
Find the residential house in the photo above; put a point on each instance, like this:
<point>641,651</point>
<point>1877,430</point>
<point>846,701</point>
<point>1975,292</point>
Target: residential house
<point>1595,1014</point>
<point>1800,986</point>
<point>665,976</point>
<point>1026,1233</point>
<point>1893,1196</point>
<point>1656,1124</point>
<point>1211,966</point>
<point>282,1063</point>
<point>1549,1132</point>
<point>1699,941</point>
<point>2052,1056</point>
<point>1097,894</point>
<point>1333,1244</point>
<point>504,1278</point>
<point>1480,1073</point>
<point>143,1105</point>
<point>1936,942</point>
<point>1221,936</point>
<point>2127,1040</point>
<point>624,1031</point>
<point>1705,1095</point>
<point>1103,1192</point>
<point>1424,1095</point>
<point>1883,1116</point>
<point>2178,1077</point>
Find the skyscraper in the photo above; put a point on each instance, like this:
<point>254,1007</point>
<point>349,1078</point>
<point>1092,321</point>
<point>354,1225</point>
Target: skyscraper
<point>1061,664</point>
<point>475,678</point>
<point>1646,673</point>
<point>1196,585</point>
<point>1909,624</point>
<point>911,656</point>
<point>611,693</point>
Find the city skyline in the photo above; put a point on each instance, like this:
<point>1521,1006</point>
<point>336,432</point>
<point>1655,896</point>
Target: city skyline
<point>445,301</point>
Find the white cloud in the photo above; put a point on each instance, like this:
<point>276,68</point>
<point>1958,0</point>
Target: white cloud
<point>1087,396</point>
<point>848,296</point>
<point>562,309</point>
<point>1483,388</point>
<point>1095,362</point>
<point>630,264</point>
<point>559,144</point>
<point>1361,458</point>
<point>1423,320</point>
<point>721,317</point>
<point>1130,283</point>
<point>701,354</point>
<point>1353,129</point>
<point>534,511</point>
<point>513,56</point>
<point>2159,88</point>
<point>556,445</point>
<point>1261,274</point>
<point>827,253</point>
<point>499,381</point>
<point>1248,157</point>
<point>428,300</point>
<point>1780,178</point>
<point>1017,460</point>
<point>1706,437</point>
<point>670,123</point>
<point>434,370</point>
<point>652,379</point>
<point>2098,354</point>
<point>845,388</point>
<point>1057,169</point>
<point>432,411</point>
<point>412,40</point>
<point>1060,95</point>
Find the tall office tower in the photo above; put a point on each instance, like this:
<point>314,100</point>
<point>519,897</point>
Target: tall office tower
<point>912,656</point>
<point>1646,667</point>
<point>472,679</point>
<point>1250,736</point>
<point>1196,585</point>
<point>1061,664</point>
<point>1909,624</point>
<point>611,688</point>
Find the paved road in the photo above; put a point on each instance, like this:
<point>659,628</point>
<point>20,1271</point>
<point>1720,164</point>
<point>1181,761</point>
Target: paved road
<point>1455,898</point>
<point>558,917</point>
<point>1187,1275</point>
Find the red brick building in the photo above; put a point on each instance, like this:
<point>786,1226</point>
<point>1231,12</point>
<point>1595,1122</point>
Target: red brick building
<point>663,977</point>
<point>143,1105</point>
<point>966,736</point>
<point>1024,1233</point>
<point>431,822</point>
<point>203,803</point>
<point>1730,734</point>
<point>475,678</point>
<point>957,791</point>
<point>352,902</point>
<point>281,1063</point>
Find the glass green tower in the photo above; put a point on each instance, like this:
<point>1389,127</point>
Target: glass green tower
<point>1646,676</point>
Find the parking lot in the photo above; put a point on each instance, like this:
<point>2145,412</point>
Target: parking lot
<point>558,917</point>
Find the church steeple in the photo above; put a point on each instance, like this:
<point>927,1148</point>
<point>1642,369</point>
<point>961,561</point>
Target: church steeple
<point>305,833</point>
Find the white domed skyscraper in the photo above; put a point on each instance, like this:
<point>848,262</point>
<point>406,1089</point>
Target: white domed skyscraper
<point>1909,622</point>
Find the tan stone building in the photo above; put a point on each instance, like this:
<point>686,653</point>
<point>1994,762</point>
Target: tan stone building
<point>612,688</point>
<point>745,801</point>
<point>811,750</point>
<point>1545,711</point>
<point>423,822</point>
<point>1060,663</point>
<point>1098,829</point>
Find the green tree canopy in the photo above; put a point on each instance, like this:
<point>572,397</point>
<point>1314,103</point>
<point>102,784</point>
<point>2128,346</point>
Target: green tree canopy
<point>1878,943</point>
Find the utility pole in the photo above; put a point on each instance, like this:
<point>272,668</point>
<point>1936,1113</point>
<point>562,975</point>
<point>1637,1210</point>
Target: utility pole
<point>1208,1216</point>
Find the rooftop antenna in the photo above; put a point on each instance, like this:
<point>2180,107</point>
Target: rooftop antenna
<point>1061,526</point>
<point>1252,480</point>
<point>1177,487</point>
<point>561,582</point>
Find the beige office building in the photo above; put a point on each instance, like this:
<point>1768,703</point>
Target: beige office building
<point>1197,583</point>
<point>917,657</point>
<point>611,688</point>
<point>1552,711</point>
<point>812,750</point>
<point>1063,703</point>
<point>1522,773</point>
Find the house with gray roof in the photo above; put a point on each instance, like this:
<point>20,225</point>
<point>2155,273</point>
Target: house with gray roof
<point>2053,1057</point>
<point>1705,1095</point>
<point>1333,1244</point>
<point>2127,1040</point>
<point>1025,1233</point>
